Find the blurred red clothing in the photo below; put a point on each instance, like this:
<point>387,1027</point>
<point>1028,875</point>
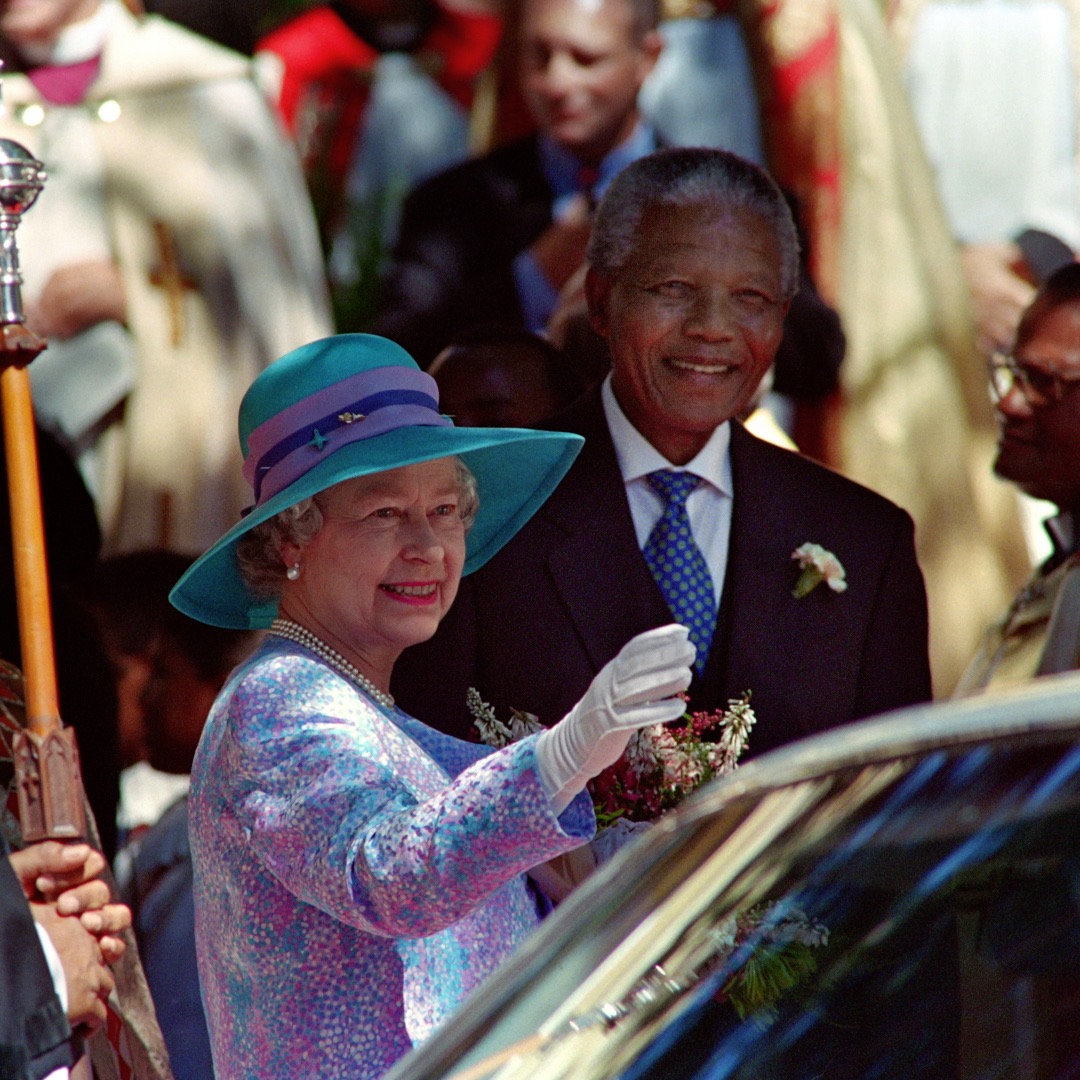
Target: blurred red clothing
<point>326,80</point>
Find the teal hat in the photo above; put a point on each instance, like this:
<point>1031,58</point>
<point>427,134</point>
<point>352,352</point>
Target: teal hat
<point>350,406</point>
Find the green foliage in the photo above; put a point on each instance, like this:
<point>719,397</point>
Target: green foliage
<point>773,969</point>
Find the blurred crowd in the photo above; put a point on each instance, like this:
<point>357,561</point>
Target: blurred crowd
<point>229,179</point>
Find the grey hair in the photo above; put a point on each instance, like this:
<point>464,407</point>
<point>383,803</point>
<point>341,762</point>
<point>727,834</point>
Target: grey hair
<point>258,552</point>
<point>690,176</point>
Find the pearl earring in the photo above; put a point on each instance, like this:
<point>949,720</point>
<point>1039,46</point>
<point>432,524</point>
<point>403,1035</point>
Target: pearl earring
<point>293,572</point>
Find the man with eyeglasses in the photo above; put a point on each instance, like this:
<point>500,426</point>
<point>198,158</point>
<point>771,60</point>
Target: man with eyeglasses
<point>1037,395</point>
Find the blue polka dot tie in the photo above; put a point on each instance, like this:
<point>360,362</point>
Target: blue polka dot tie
<point>677,563</point>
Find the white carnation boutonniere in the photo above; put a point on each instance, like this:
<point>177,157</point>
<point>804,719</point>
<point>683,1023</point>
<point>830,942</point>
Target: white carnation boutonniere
<point>817,565</point>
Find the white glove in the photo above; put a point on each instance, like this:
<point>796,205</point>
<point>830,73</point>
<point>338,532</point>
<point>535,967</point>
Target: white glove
<point>632,691</point>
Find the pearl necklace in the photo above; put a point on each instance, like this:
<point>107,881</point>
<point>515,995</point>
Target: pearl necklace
<point>293,631</point>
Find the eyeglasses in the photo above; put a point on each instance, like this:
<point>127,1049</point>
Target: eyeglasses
<point>1039,386</point>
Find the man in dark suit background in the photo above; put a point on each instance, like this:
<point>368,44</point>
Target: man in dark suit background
<point>495,238</point>
<point>693,264</point>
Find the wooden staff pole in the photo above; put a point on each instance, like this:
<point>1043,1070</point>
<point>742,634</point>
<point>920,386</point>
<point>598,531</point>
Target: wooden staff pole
<point>28,547</point>
<point>48,781</point>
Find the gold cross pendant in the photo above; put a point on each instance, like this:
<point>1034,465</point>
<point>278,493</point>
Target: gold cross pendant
<point>169,275</point>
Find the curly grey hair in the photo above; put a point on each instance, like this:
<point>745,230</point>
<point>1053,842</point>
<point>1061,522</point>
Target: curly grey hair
<point>258,552</point>
<point>690,176</point>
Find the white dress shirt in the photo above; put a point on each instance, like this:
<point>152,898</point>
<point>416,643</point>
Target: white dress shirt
<point>709,505</point>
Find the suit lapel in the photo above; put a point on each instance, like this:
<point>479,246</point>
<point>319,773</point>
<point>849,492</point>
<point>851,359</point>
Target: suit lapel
<point>754,633</point>
<point>765,635</point>
<point>597,570</point>
<point>610,600</point>
<point>757,592</point>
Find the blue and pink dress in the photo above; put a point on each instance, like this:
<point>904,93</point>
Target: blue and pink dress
<point>357,873</point>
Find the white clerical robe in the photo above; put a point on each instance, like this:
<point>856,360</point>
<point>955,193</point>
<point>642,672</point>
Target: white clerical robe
<point>175,167</point>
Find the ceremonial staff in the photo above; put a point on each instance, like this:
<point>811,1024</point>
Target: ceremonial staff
<point>47,776</point>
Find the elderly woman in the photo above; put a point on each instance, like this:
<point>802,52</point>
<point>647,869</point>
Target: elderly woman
<point>358,873</point>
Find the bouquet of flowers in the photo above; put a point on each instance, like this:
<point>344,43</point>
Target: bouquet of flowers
<point>662,765</point>
<point>666,762</point>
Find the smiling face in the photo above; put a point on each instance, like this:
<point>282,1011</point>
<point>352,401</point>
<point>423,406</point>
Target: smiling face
<point>582,66</point>
<point>1039,448</point>
<point>385,566</point>
<point>693,321</point>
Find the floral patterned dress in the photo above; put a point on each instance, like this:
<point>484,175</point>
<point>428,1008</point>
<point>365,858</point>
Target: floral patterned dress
<point>357,873</point>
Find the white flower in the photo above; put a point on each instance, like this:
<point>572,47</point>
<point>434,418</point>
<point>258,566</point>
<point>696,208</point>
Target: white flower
<point>642,750</point>
<point>523,724</point>
<point>493,732</point>
<point>737,721</point>
<point>678,767</point>
<point>817,565</point>
<point>795,926</point>
<point>723,936</point>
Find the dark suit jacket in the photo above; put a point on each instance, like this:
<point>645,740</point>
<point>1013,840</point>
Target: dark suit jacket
<point>162,901</point>
<point>531,628</point>
<point>460,232</point>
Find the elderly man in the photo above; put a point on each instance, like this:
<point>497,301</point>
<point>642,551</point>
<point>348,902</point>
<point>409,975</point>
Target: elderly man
<point>497,237</point>
<point>673,507</point>
<point>1039,450</point>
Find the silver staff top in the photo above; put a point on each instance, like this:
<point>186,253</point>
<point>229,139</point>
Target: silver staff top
<point>21,180</point>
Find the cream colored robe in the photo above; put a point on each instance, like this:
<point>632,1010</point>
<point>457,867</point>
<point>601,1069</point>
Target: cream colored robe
<point>914,421</point>
<point>996,96</point>
<point>173,132</point>
<point>918,425</point>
